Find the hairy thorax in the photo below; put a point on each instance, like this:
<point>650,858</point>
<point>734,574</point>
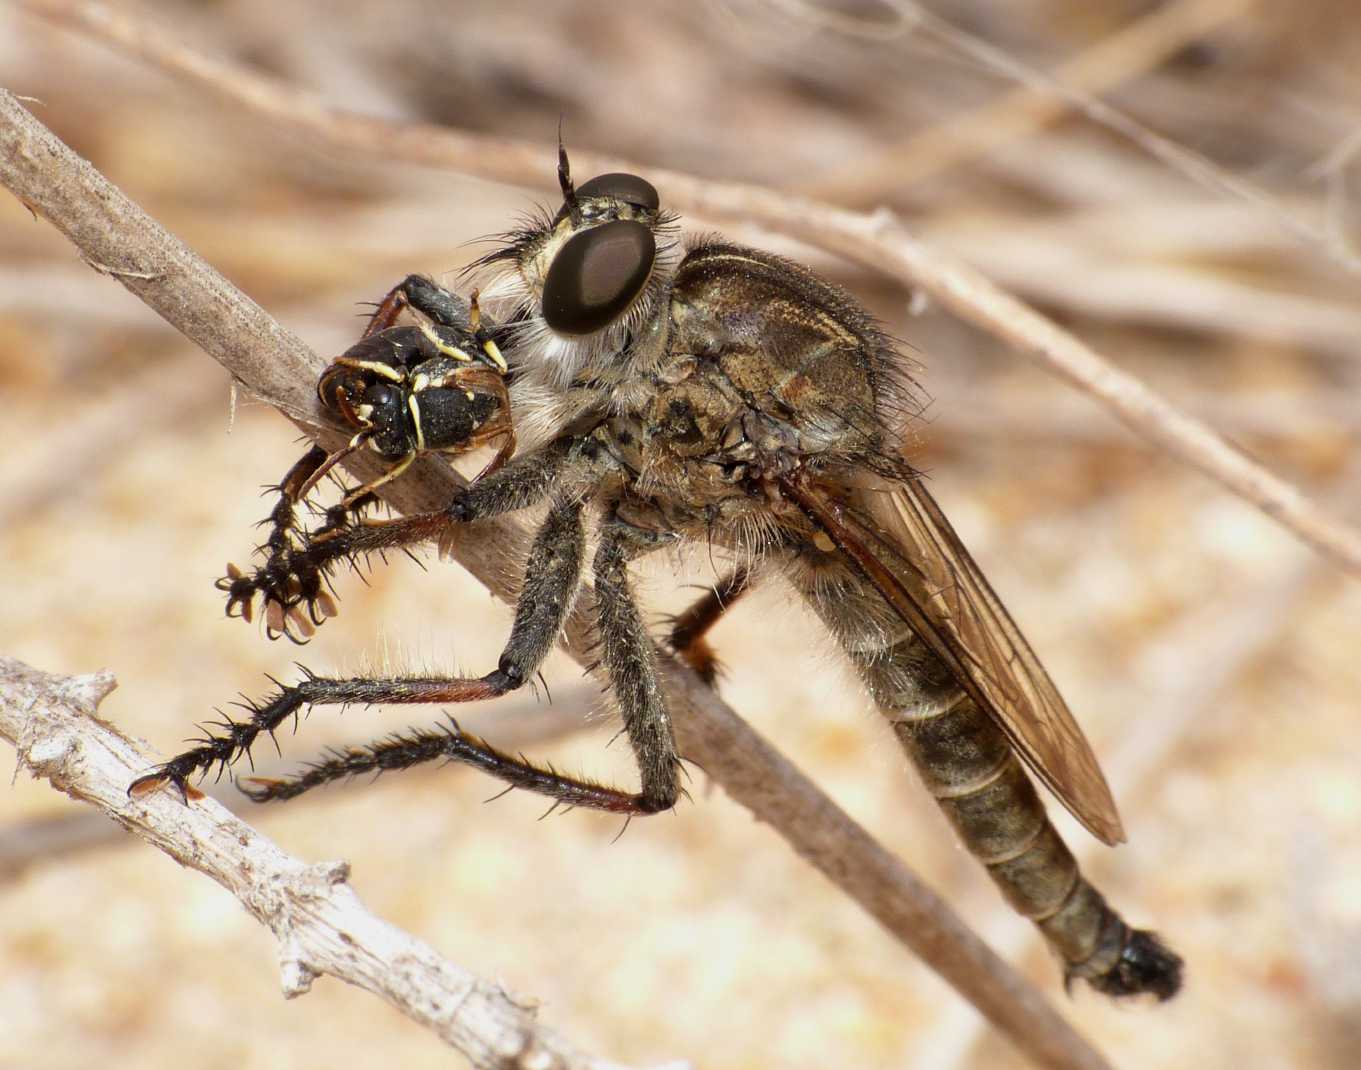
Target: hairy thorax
<point>744,383</point>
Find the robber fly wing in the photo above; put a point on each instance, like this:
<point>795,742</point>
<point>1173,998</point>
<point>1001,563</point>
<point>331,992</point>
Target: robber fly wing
<point>902,541</point>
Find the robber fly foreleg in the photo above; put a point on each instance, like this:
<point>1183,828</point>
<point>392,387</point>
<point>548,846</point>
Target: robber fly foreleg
<point>298,567</point>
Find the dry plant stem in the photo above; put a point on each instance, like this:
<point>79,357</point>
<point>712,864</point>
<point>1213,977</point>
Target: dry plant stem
<point>108,228</point>
<point>1123,56</point>
<point>1191,165</point>
<point>876,239</point>
<point>321,925</point>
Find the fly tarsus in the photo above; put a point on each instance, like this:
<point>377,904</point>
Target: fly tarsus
<point>450,743</point>
<point>292,582</point>
<point>230,741</point>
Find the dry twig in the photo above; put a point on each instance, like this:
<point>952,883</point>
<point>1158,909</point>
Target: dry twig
<point>959,139</point>
<point>108,229</point>
<point>876,239</point>
<point>321,925</point>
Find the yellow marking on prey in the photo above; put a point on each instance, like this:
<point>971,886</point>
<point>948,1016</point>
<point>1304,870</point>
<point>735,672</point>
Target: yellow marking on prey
<point>391,474</point>
<point>385,478</point>
<point>416,421</point>
<point>489,347</point>
<point>387,371</point>
<point>443,346</point>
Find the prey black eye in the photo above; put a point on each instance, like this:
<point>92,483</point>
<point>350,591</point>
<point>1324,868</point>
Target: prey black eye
<point>380,396</point>
<point>622,187</point>
<point>597,275</point>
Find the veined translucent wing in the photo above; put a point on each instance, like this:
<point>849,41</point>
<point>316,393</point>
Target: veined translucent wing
<point>903,543</point>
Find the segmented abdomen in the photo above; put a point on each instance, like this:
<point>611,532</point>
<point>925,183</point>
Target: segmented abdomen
<point>969,766</point>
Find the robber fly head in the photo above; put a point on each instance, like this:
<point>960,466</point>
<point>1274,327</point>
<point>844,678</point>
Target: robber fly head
<point>577,283</point>
<point>410,389</point>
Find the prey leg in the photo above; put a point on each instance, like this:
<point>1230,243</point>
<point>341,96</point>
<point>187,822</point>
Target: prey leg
<point>425,296</point>
<point>688,630</point>
<point>286,593</point>
<point>297,568</point>
<point>553,575</point>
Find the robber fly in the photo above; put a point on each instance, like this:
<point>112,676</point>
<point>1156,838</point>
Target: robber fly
<point>713,394</point>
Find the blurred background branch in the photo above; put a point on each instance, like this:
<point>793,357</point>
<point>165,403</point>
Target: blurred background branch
<point>877,240</point>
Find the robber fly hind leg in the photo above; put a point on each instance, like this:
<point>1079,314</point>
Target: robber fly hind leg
<point>689,628</point>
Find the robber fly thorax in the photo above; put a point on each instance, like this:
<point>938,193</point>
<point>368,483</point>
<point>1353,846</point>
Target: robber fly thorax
<point>673,348</point>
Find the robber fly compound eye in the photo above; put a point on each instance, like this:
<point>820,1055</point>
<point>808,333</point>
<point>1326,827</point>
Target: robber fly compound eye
<point>597,275</point>
<point>622,186</point>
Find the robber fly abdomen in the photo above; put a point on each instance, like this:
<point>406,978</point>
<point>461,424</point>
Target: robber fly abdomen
<point>970,767</point>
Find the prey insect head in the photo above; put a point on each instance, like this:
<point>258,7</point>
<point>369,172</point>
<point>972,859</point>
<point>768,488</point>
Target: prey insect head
<point>409,389</point>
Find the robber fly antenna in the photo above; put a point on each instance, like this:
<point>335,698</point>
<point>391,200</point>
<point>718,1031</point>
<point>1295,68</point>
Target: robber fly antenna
<point>569,193</point>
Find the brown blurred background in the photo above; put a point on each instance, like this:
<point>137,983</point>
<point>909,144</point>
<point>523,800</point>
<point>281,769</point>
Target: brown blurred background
<point>1211,657</point>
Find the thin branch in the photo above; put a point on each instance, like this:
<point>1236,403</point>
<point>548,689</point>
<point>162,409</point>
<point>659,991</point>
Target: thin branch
<point>1191,165</point>
<point>320,923</point>
<point>517,725</point>
<point>110,229</point>
<point>956,140</point>
<point>876,239</point>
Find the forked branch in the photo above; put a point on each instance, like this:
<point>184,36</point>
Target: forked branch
<point>111,231</point>
<point>321,925</point>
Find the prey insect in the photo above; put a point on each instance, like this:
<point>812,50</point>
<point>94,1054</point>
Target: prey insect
<point>437,386</point>
<point>715,395</point>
